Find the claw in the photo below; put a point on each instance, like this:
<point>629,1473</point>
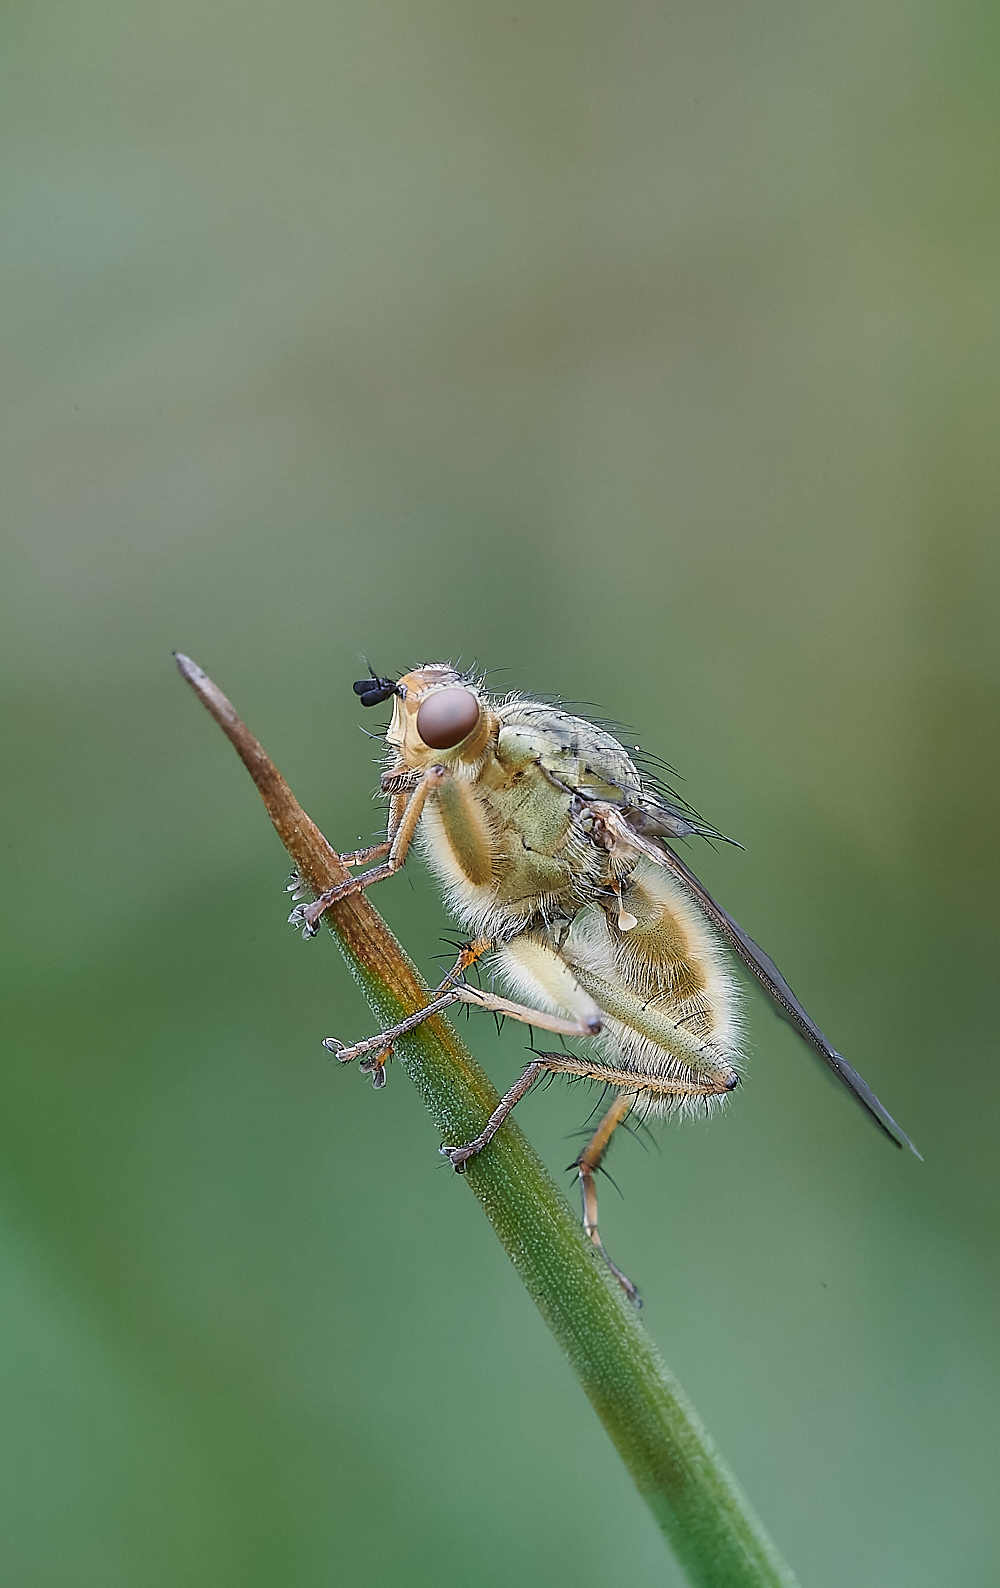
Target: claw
<point>299,918</point>
<point>375,1065</point>
<point>338,1049</point>
<point>457,1156</point>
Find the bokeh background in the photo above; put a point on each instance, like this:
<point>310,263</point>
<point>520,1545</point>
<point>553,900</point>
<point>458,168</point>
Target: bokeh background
<point>647,353</point>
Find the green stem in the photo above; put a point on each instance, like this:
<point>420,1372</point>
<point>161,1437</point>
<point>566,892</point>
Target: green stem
<point>685,1482</point>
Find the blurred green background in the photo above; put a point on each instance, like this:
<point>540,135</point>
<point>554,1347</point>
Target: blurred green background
<point>647,353</point>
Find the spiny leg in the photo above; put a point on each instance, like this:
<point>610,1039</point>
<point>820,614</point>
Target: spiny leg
<point>587,1165</point>
<point>379,1048</point>
<point>458,1156</point>
<point>298,888</point>
<point>592,1156</point>
<point>468,955</point>
<point>464,994</point>
<point>350,858</point>
<point>631,1086</point>
<point>405,814</point>
<point>479,1000</point>
<point>588,1162</point>
<point>629,1082</point>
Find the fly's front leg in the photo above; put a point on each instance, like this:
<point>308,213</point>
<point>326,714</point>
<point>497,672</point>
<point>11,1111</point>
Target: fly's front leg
<point>361,857</point>
<point>404,815</point>
<point>357,857</point>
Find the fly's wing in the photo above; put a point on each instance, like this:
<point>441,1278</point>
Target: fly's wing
<point>640,824</point>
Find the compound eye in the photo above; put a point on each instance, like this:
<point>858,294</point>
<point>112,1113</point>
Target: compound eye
<point>447,717</point>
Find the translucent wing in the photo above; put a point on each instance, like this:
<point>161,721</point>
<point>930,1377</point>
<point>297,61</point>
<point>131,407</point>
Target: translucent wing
<point>647,833</point>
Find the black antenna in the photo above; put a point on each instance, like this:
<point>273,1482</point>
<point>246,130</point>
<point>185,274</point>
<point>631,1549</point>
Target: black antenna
<point>374,690</point>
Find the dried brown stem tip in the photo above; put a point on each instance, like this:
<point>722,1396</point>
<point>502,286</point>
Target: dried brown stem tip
<point>318,864</point>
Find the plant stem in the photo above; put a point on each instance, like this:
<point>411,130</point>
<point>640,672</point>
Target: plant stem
<point>696,1500</point>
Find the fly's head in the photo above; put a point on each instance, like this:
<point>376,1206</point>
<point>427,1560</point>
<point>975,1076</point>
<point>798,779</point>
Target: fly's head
<point>438,717</point>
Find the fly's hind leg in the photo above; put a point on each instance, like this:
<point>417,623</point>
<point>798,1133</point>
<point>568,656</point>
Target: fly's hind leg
<point>459,1156</point>
<point>589,1161</point>
<point>630,1086</point>
<point>592,1156</point>
<point>587,1165</point>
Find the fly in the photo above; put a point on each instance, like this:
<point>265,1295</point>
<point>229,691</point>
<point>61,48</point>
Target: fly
<point>553,852</point>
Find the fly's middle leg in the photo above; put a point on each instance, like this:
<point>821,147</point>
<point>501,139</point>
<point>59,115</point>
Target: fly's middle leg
<point>468,955</point>
<point>479,1000</point>
<point>379,1048</point>
<point>586,1024</point>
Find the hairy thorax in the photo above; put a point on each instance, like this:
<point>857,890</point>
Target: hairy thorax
<point>521,859</point>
